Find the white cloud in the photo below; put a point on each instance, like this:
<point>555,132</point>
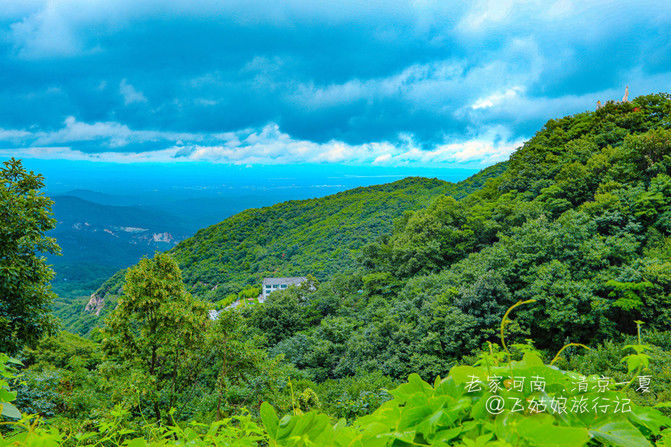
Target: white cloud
<point>382,159</point>
<point>478,64</point>
<point>440,86</point>
<point>565,21</point>
<point>497,98</point>
<point>13,134</point>
<point>486,12</point>
<point>520,107</point>
<point>266,145</point>
<point>45,33</point>
<point>130,94</point>
<point>111,134</point>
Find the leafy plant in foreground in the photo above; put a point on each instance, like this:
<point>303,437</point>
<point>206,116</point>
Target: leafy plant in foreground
<point>7,409</point>
<point>499,402</point>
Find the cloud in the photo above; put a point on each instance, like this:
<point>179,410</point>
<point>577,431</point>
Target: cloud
<point>130,95</point>
<point>266,145</point>
<point>91,74</point>
<point>45,33</point>
<point>497,98</point>
<point>13,134</point>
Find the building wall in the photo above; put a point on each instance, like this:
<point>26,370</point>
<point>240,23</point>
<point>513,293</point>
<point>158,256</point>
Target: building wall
<point>271,285</point>
<point>267,289</point>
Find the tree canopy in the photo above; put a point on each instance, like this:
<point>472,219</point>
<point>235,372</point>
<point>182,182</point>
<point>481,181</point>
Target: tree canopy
<point>25,218</point>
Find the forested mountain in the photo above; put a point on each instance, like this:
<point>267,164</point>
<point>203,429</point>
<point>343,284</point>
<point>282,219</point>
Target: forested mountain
<point>320,236</point>
<point>512,275</point>
<point>580,221</point>
<point>96,239</point>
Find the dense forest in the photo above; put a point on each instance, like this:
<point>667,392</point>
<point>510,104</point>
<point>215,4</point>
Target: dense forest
<point>319,237</point>
<point>431,303</point>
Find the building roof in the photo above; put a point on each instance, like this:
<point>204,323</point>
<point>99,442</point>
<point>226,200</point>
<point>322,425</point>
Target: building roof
<point>288,281</point>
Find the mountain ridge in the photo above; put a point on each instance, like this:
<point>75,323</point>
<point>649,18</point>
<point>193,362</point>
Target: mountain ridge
<point>365,213</point>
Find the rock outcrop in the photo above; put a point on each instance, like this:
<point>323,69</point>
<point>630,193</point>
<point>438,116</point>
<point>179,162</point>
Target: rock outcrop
<point>95,304</point>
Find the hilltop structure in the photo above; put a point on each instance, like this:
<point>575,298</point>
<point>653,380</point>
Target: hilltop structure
<point>625,98</point>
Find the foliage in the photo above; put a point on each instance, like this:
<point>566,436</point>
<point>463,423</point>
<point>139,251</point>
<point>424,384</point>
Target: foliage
<point>25,216</point>
<point>154,332</point>
<point>478,406</point>
<point>7,408</point>
<point>355,396</point>
<point>652,385</point>
<point>60,379</point>
<point>494,403</point>
<point>579,221</point>
<point>239,430</point>
<point>317,236</point>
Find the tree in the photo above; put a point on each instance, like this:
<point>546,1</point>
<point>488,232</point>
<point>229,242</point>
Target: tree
<point>25,292</point>
<point>234,355</point>
<point>156,332</point>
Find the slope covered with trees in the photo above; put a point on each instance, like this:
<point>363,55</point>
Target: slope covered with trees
<point>580,221</point>
<point>317,236</point>
<point>557,270</point>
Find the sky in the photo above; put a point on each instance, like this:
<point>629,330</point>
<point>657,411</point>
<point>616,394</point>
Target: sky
<point>369,83</point>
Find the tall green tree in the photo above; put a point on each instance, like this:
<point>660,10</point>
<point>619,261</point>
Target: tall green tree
<point>156,332</point>
<point>236,357</point>
<point>25,291</point>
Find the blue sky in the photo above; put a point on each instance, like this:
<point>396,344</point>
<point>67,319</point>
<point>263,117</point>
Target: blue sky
<point>384,83</point>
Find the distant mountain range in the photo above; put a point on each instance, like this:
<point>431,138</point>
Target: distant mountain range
<point>101,233</point>
<point>98,239</point>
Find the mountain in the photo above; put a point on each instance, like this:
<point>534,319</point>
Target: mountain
<point>555,172</point>
<point>102,198</point>
<point>558,263</point>
<point>574,238</point>
<point>96,240</point>
<point>319,236</point>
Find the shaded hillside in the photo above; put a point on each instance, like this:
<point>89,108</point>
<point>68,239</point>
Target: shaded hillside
<point>580,223</point>
<point>96,240</point>
<point>316,236</point>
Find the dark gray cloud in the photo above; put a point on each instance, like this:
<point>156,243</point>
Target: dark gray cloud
<point>393,81</point>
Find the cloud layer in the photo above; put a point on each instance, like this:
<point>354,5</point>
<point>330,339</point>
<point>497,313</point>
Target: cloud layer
<point>267,145</point>
<point>393,82</point>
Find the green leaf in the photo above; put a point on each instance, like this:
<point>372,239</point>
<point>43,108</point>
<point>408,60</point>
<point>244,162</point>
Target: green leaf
<point>666,439</point>
<point>13,361</point>
<point>619,434</point>
<point>649,418</point>
<point>539,431</point>
<point>405,436</point>
<point>137,442</point>
<point>531,359</point>
<point>6,395</point>
<point>464,373</point>
<point>447,435</point>
<point>270,419</point>
<point>10,411</point>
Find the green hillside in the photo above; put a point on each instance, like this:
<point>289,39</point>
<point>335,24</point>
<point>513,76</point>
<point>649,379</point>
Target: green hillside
<point>317,236</point>
<point>554,268</point>
<point>580,222</point>
<point>97,240</point>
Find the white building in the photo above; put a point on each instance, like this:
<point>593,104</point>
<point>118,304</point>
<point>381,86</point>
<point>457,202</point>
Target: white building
<point>271,285</point>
